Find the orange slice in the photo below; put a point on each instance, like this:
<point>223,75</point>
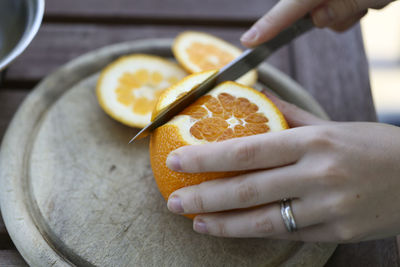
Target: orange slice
<point>198,51</point>
<point>129,87</point>
<point>228,111</point>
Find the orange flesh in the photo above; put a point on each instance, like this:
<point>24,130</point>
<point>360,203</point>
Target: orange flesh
<point>141,89</point>
<point>225,117</point>
<point>215,57</point>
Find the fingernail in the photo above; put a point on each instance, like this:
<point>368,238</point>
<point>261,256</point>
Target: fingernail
<point>174,163</point>
<point>250,36</point>
<point>324,16</point>
<point>200,226</point>
<point>175,204</point>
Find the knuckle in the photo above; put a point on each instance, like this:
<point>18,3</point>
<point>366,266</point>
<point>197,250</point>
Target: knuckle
<point>344,8</point>
<point>198,203</point>
<point>246,191</point>
<point>222,230</point>
<point>352,6</point>
<point>267,19</point>
<point>331,174</point>
<point>345,234</point>
<point>244,154</point>
<point>331,171</point>
<point>264,225</point>
<point>339,206</point>
<point>321,138</point>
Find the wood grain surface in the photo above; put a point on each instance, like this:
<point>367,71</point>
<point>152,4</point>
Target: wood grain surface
<point>382,253</point>
<point>2,227</point>
<point>327,65</point>
<point>11,258</point>
<point>398,244</point>
<point>59,44</point>
<point>74,27</point>
<point>9,102</point>
<point>186,10</point>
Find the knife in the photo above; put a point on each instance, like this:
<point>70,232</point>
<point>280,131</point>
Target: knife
<point>247,61</point>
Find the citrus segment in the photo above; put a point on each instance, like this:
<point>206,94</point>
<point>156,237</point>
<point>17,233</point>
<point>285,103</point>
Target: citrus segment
<point>228,111</point>
<point>175,92</point>
<point>198,51</point>
<point>128,88</point>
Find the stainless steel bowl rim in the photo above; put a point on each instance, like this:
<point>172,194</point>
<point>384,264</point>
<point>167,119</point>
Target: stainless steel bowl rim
<point>27,37</point>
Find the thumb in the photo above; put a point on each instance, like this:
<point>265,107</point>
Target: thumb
<point>294,115</point>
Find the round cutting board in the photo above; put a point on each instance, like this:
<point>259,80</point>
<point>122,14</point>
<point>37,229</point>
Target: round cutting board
<point>73,192</point>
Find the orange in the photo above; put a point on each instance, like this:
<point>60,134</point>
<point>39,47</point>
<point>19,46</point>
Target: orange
<point>228,111</point>
<point>128,88</point>
<point>198,51</point>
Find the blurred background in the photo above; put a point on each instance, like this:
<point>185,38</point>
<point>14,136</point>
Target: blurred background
<point>381,32</point>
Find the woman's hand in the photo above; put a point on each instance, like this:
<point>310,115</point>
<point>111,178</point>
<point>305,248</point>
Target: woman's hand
<point>344,179</point>
<point>336,14</point>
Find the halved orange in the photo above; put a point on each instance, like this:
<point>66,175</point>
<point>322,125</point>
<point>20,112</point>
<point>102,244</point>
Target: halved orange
<point>128,88</point>
<point>199,51</point>
<point>228,111</point>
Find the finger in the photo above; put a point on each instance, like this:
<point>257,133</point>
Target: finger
<point>265,221</point>
<point>335,11</point>
<point>243,191</point>
<point>348,23</point>
<point>260,151</point>
<point>283,14</point>
<point>294,115</point>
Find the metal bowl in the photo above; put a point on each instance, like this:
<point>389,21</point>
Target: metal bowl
<point>19,22</point>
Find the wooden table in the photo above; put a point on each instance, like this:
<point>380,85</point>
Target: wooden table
<point>332,67</point>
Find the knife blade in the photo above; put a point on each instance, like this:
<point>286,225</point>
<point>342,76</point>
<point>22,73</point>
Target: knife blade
<point>247,61</point>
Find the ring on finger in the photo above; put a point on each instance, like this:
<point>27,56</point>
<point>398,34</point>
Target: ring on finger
<point>287,215</point>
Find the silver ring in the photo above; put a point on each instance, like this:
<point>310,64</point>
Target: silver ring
<point>287,215</point>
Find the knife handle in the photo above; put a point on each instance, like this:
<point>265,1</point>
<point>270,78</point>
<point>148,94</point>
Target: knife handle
<point>254,56</point>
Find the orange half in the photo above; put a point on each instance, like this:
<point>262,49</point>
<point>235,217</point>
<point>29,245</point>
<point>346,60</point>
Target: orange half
<point>128,88</point>
<point>198,51</point>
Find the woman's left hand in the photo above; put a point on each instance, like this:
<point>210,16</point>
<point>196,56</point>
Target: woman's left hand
<point>343,179</point>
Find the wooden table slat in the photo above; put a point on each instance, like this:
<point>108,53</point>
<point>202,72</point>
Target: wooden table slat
<point>342,69</point>
<point>398,246</point>
<point>6,242</point>
<point>11,258</point>
<point>57,44</point>
<point>9,102</point>
<point>377,253</point>
<point>167,9</point>
<point>2,226</point>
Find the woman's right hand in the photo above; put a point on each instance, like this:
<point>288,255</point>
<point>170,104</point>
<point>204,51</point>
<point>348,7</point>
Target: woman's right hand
<point>336,14</point>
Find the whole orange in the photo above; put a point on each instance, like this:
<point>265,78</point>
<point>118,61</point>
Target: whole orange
<point>228,111</point>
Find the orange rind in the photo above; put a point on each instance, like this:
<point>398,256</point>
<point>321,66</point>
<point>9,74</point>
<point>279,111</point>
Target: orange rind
<point>198,51</point>
<point>128,88</point>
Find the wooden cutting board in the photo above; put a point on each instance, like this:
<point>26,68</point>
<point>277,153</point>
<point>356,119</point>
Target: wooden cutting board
<point>74,193</point>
